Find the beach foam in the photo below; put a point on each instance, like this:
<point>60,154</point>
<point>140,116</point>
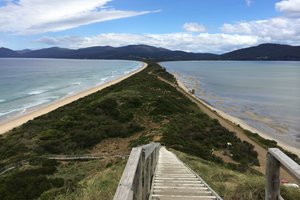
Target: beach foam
<point>35,92</point>
<point>24,108</point>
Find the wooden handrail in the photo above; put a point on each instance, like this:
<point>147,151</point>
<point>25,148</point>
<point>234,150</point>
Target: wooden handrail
<point>276,159</point>
<point>136,179</point>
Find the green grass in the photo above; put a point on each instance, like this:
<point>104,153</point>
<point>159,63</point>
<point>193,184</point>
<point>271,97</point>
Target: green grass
<point>142,140</point>
<point>30,182</point>
<point>141,104</point>
<point>99,182</point>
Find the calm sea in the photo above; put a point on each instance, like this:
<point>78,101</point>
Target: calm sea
<point>26,84</point>
<point>266,95</point>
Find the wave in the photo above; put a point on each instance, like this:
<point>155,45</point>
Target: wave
<point>127,72</point>
<point>76,83</point>
<point>71,93</point>
<point>132,69</point>
<point>24,108</point>
<point>39,92</point>
<point>10,111</point>
<point>36,92</point>
<point>103,79</point>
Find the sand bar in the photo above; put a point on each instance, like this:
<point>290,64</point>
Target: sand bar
<point>15,122</point>
<point>240,122</point>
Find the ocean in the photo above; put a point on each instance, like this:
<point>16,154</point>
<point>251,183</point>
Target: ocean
<point>265,95</point>
<point>27,84</point>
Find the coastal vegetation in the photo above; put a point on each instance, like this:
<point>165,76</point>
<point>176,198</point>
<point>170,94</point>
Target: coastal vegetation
<point>140,109</point>
<point>266,143</point>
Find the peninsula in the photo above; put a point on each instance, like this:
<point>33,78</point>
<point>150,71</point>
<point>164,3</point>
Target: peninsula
<point>147,106</point>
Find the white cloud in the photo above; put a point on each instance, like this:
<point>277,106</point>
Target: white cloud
<point>284,29</point>
<point>289,7</point>
<point>248,2</point>
<point>58,15</point>
<point>38,16</point>
<point>279,29</point>
<point>233,36</point>
<point>202,42</point>
<point>194,27</point>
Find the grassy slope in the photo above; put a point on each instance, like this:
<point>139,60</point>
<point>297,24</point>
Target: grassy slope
<point>232,184</point>
<point>101,182</point>
<point>140,105</point>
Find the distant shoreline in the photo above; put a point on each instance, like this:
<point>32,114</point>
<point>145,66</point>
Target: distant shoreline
<point>238,121</point>
<point>18,121</point>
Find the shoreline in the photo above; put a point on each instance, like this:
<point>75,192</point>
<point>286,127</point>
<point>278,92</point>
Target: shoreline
<point>236,121</point>
<point>18,121</point>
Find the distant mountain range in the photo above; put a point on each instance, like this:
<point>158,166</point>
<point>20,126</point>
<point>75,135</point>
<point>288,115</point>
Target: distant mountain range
<point>145,52</point>
<point>265,52</point>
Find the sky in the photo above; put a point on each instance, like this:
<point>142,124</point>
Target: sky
<point>213,26</point>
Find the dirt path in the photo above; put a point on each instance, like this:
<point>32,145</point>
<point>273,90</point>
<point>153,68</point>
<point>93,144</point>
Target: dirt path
<point>262,152</point>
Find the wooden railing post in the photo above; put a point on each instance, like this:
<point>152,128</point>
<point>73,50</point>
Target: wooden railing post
<point>272,178</point>
<point>139,181</point>
<point>135,183</point>
<point>146,184</point>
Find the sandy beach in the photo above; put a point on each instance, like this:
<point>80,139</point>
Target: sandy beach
<point>15,122</point>
<point>239,122</point>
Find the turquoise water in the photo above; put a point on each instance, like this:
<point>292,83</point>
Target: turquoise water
<point>266,95</point>
<point>26,84</point>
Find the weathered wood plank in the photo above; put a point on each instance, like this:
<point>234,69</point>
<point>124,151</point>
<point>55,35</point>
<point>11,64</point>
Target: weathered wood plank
<point>149,148</point>
<point>287,163</point>
<point>276,159</point>
<point>272,178</point>
<point>137,186</point>
<point>125,188</point>
<point>136,179</point>
<point>145,176</point>
<point>174,180</point>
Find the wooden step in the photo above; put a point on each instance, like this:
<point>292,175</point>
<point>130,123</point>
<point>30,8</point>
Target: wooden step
<point>182,192</point>
<point>174,180</point>
<point>180,184</point>
<point>182,197</point>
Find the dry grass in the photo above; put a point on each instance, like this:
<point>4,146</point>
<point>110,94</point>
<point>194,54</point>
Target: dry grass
<point>99,185</point>
<point>232,185</point>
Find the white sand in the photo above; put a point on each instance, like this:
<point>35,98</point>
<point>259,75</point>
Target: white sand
<point>241,123</point>
<point>15,122</point>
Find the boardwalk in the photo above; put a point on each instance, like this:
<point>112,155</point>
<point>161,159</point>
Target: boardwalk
<point>152,172</point>
<point>174,180</point>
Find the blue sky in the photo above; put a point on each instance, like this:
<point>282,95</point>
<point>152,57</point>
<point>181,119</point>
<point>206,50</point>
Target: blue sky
<point>192,25</point>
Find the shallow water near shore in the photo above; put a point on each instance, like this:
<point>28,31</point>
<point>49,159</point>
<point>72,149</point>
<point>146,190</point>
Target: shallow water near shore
<point>265,95</point>
<point>27,84</point>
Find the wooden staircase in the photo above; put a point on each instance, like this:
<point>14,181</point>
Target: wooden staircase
<point>154,173</point>
<point>174,180</point>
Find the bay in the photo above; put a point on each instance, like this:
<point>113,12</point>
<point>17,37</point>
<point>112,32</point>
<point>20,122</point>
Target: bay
<point>265,95</point>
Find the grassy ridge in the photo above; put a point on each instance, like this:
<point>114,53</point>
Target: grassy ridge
<point>141,104</point>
